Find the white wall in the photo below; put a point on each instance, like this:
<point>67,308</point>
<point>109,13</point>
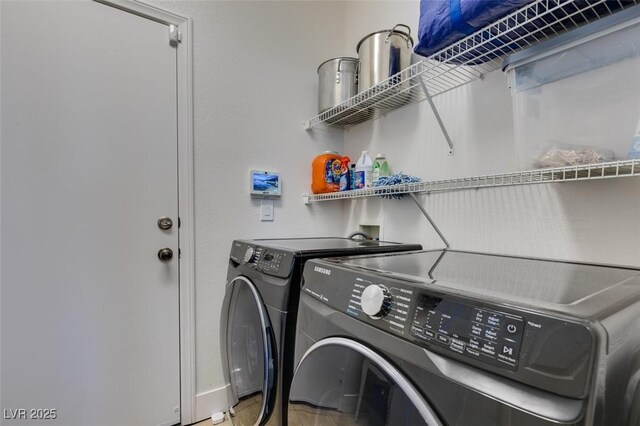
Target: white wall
<point>588,221</point>
<point>255,82</point>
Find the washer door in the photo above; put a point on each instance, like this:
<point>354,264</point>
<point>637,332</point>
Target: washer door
<point>340,381</point>
<point>251,354</point>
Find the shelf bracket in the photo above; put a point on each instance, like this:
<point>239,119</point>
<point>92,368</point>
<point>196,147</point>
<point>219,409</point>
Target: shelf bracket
<point>433,224</point>
<point>436,263</point>
<point>437,115</point>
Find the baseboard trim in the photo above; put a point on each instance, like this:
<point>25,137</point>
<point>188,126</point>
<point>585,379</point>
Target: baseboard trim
<point>209,402</point>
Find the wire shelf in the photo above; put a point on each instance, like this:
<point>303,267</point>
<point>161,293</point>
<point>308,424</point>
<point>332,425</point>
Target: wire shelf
<point>614,169</point>
<point>470,58</point>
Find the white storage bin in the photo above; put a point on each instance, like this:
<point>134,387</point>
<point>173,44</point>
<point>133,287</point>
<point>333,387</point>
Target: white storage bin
<point>576,98</point>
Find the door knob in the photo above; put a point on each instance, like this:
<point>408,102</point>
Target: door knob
<point>165,223</point>
<point>165,254</point>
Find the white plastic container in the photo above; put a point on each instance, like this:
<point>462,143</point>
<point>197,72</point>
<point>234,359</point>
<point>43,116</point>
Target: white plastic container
<point>577,96</point>
<point>364,171</point>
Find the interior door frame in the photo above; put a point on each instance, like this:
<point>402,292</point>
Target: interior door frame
<point>186,276</point>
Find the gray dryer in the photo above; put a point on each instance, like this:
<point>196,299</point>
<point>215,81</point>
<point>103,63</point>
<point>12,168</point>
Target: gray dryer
<point>466,339</point>
<point>259,313</point>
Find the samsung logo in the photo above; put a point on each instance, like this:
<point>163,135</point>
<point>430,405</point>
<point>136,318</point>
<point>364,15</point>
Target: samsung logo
<point>322,270</point>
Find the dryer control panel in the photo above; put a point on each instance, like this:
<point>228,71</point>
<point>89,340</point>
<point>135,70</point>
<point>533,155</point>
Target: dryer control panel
<point>263,259</point>
<point>542,350</point>
<point>474,331</point>
<point>485,334</point>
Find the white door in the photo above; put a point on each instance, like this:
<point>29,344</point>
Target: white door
<point>88,165</point>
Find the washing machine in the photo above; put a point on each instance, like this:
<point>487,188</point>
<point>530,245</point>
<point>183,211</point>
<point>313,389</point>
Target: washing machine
<point>258,317</point>
<point>459,338</point>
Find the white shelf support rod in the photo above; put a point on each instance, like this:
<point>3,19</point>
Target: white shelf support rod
<point>426,214</point>
<point>437,115</point>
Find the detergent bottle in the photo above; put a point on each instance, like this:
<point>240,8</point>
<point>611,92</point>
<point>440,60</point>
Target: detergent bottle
<point>325,172</point>
<point>380,167</point>
<point>364,171</point>
<point>345,178</point>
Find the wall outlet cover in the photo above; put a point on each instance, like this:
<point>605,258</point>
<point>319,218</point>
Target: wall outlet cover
<point>266,210</point>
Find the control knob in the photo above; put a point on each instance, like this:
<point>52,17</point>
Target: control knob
<point>376,301</point>
<point>249,255</point>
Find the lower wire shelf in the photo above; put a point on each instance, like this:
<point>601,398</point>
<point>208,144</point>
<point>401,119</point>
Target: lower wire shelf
<point>613,169</point>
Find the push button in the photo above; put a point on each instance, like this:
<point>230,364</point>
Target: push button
<point>443,339</point>
<point>507,353</point>
<point>488,349</point>
<point>430,334</point>
<point>475,343</point>
<point>507,350</point>
<point>491,334</point>
<point>512,327</point>
<point>457,345</point>
<point>477,330</point>
<point>494,320</point>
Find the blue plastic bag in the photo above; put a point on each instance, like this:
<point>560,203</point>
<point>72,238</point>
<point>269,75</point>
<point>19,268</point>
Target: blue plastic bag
<point>443,22</point>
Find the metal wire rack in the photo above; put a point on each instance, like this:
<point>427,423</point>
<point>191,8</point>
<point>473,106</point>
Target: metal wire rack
<point>613,169</point>
<point>470,58</point>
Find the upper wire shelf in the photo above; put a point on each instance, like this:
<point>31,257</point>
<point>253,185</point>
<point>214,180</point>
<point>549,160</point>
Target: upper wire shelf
<point>613,169</point>
<point>470,58</point>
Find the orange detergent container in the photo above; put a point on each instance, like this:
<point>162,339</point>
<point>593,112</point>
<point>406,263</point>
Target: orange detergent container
<point>325,173</point>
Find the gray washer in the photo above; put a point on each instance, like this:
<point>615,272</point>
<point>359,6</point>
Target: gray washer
<point>259,313</point>
<point>481,339</point>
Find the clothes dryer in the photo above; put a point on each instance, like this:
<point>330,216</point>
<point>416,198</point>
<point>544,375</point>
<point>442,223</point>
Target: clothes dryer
<point>450,337</point>
<point>258,317</point>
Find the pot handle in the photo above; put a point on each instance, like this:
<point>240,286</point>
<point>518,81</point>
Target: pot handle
<point>393,30</point>
<point>338,72</point>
